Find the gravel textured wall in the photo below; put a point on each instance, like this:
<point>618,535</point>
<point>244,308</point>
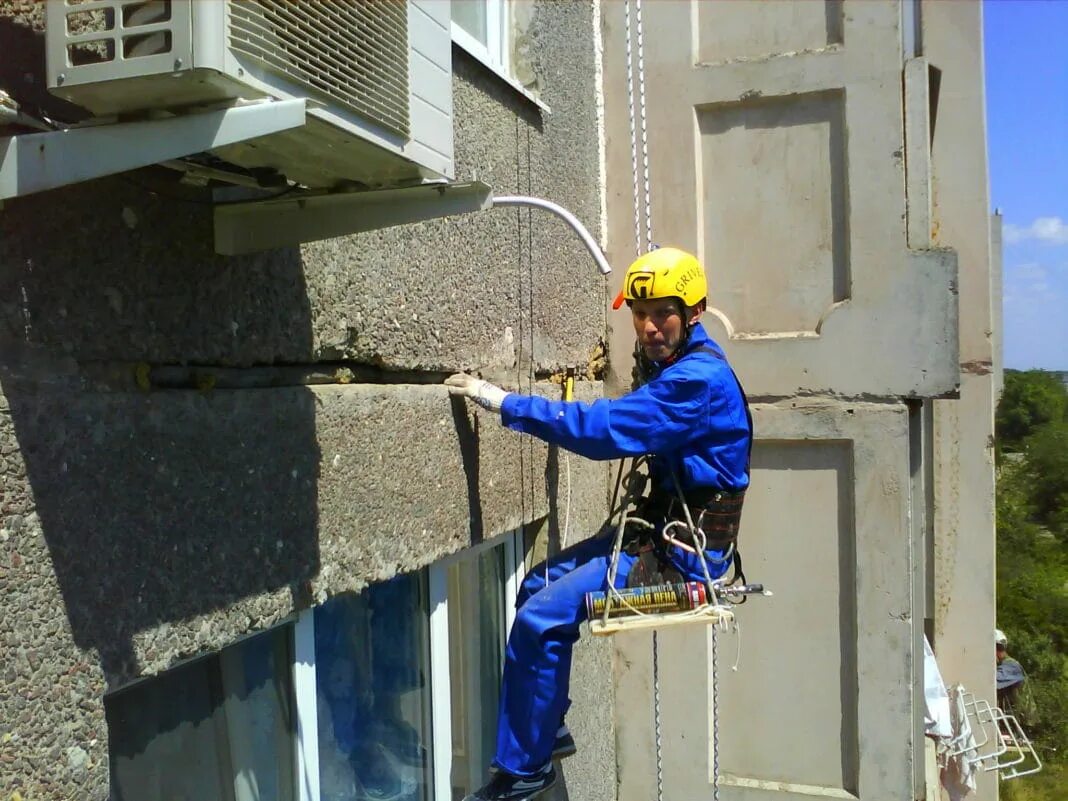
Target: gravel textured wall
<point>141,526</point>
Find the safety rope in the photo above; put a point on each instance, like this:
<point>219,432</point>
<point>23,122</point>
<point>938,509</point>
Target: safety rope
<point>715,713</point>
<point>656,720</point>
<point>633,135</point>
<point>644,178</point>
<point>645,140</point>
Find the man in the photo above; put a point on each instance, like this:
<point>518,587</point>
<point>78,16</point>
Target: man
<point>691,415</point>
<point>1010,675</point>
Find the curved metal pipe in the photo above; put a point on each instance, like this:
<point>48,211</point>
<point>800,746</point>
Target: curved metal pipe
<point>566,216</point>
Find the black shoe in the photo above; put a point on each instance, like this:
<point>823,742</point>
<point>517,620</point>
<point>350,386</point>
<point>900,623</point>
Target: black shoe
<point>508,787</point>
<point>564,746</point>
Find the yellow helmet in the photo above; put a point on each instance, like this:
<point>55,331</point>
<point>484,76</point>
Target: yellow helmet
<point>664,273</point>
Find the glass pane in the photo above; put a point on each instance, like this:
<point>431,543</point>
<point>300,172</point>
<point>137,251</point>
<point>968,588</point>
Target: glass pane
<point>258,718</point>
<point>218,728</point>
<point>372,666</point>
<point>476,658</point>
<point>471,16</point>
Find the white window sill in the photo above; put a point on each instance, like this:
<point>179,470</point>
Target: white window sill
<point>474,48</point>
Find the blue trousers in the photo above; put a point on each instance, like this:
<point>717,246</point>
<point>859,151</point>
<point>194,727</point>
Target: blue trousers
<point>537,665</point>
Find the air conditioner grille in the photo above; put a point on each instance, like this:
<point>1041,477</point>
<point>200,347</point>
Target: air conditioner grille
<point>353,51</point>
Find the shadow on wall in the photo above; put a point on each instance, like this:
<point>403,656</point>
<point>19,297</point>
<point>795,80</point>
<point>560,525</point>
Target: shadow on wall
<point>159,506</point>
<point>22,71</point>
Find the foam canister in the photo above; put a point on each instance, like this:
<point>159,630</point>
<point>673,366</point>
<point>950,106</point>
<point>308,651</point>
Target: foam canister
<point>657,599</point>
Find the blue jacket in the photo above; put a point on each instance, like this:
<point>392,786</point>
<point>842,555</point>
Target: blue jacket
<point>690,414</point>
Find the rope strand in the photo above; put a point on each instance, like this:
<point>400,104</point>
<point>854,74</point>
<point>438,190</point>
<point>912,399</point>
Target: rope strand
<point>638,250</point>
<point>715,713</point>
<point>633,135</point>
<point>645,139</point>
<point>656,720</point>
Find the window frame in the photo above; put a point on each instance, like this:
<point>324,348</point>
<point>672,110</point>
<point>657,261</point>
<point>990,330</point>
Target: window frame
<point>306,738</point>
<point>496,54</point>
<point>306,741</point>
<point>440,669</point>
<point>221,678</point>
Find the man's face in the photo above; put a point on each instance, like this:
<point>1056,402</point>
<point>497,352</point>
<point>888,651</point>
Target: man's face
<point>1000,651</point>
<point>659,326</point>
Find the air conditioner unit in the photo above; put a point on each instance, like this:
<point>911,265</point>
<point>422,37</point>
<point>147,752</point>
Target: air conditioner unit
<point>376,75</point>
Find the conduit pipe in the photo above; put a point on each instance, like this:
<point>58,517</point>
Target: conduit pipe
<point>566,216</point>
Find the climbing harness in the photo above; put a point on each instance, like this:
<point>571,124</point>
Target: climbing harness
<point>661,598</point>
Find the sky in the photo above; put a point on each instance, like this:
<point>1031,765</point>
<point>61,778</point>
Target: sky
<point>1026,54</point>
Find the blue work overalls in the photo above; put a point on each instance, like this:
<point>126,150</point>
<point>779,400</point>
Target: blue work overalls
<point>691,415</point>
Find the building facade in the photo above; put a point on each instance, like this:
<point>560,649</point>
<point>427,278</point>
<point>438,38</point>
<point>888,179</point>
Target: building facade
<point>249,548</point>
<point>827,161</point>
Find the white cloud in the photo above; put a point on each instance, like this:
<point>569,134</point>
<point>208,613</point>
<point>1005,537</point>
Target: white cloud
<point>1032,277</point>
<point>1034,285</point>
<point>1052,230</point>
<point>1025,283</point>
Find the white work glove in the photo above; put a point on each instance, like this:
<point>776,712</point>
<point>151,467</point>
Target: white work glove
<point>485,394</point>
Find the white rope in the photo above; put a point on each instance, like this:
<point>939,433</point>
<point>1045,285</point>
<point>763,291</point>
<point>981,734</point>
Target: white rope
<point>715,714</point>
<point>639,249</point>
<point>699,540</point>
<point>645,140</point>
<point>567,504</point>
<point>656,720</point>
<point>633,137</point>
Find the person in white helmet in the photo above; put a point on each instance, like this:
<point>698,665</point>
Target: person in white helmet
<point>1010,674</point>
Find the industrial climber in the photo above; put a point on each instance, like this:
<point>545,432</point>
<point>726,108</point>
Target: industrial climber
<point>690,415</point>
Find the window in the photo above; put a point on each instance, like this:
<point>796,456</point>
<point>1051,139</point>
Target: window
<point>478,604</point>
<point>389,694</point>
<point>495,33</point>
<point>373,694</point>
<point>217,728</point>
<point>407,675</point>
<point>481,28</point>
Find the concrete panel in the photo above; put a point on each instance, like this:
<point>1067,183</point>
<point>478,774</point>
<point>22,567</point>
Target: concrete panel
<point>918,152</point>
<point>847,290</point>
<point>725,28</point>
<point>996,307</point>
<point>965,604</point>
<point>590,775</point>
<point>952,39</point>
<point>821,543</point>
<point>963,575</point>
<point>821,704</point>
<point>796,200</point>
<point>133,277</point>
<point>144,529</point>
<point>141,530</point>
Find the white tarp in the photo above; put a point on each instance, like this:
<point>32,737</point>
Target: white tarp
<point>937,720</point>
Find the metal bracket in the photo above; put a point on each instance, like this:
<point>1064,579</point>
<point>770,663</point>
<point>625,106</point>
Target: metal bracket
<point>309,216</point>
<point>306,217</point>
<point>39,161</point>
<point>1002,732</point>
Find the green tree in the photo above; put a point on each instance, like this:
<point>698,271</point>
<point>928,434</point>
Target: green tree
<point>1032,566</point>
<point>1047,472</point>
<point>1032,588</point>
<point>1031,398</point>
